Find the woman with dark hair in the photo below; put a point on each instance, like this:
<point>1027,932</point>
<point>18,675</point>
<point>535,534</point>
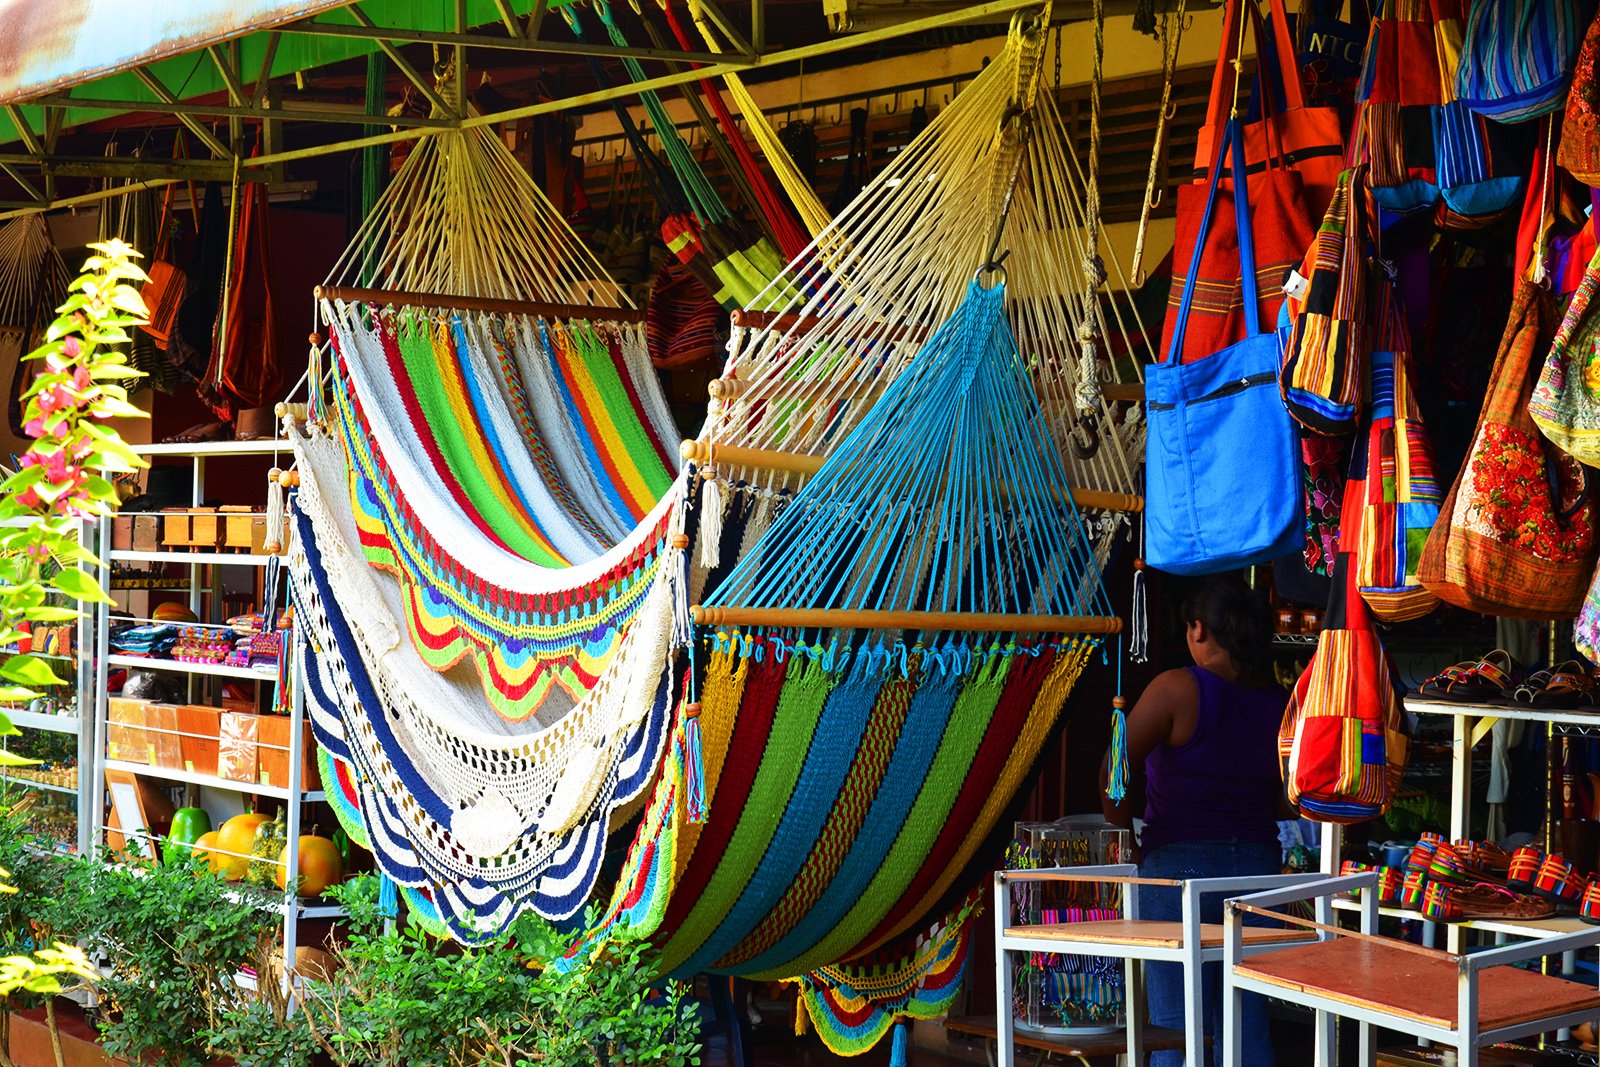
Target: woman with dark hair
<point>1208,738</point>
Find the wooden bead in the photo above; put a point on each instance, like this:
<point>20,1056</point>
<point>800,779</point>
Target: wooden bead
<point>692,708</point>
<point>680,540</point>
<point>1119,702</point>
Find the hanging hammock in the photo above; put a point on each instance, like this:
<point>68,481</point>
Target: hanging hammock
<point>499,644</point>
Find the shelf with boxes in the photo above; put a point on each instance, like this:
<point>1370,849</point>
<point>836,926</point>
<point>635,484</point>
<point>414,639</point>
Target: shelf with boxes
<point>217,722</point>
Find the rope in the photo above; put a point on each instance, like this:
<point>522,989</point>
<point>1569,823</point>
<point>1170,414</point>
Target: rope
<point>1171,39</point>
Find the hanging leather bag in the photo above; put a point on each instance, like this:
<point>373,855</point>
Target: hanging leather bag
<point>1222,465</point>
<point>164,291</point>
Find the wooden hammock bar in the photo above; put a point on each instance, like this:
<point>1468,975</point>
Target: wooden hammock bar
<point>853,619</point>
<point>351,294</point>
<point>704,452</point>
<point>732,388</point>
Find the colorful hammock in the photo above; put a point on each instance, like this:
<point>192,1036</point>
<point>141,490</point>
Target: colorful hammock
<point>498,637</point>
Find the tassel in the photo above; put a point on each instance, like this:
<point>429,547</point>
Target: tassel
<point>711,508</point>
<point>388,896</point>
<point>694,770</point>
<point>677,564</point>
<point>273,543</point>
<point>1139,640</point>
<point>1117,787</point>
<point>800,1019</point>
<point>897,1048</point>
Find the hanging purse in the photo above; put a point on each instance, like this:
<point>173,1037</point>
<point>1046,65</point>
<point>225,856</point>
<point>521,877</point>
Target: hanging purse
<point>1323,376</point>
<point>1566,400</point>
<point>1294,154</point>
<point>1400,87</point>
<point>1222,471</point>
<point>164,291</point>
<point>1342,742</point>
<point>1518,55</point>
<point>1392,498</point>
<point>1580,125</point>
<point>1516,532</point>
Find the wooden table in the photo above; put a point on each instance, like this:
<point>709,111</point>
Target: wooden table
<point>1082,1046</point>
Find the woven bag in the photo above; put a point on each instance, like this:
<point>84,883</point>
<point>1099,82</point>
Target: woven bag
<point>1342,743</point>
<point>1516,532</point>
<point>1580,125</point>
<point>1392,498</point>
<point>1323,376</point>
<point>1518,55</point>
<point>1566,400</point>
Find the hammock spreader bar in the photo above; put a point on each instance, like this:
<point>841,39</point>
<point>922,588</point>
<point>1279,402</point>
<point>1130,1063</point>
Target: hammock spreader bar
<point>709,452</point>
<point>850,619</point>
<point>381,297</point>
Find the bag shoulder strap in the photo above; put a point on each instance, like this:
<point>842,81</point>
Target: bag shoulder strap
<point>1232,144</point>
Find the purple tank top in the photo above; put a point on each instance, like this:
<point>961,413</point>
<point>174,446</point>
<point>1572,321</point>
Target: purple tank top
<point>1225,781</point>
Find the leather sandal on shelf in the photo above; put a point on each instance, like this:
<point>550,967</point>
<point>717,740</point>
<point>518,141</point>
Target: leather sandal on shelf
<point>1455,903</point>
<point>1494,677</point>
<point>1567,685</point>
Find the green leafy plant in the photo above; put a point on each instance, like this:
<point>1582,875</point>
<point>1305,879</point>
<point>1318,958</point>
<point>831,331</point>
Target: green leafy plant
<point>401,996</point>
<point>63,477</point>
<point>176,939</point>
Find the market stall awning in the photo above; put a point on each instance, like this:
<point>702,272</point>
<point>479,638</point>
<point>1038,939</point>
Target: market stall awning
<point>50,45</point>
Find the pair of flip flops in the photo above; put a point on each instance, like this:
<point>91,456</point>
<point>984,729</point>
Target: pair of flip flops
<point>1494,677</point>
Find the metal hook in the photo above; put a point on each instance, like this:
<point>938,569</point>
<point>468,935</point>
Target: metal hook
<point>1085,449</point>
<point>839,119</point>
<point>889,109</point>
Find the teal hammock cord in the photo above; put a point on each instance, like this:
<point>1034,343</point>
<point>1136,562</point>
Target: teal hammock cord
<point>949,496</point>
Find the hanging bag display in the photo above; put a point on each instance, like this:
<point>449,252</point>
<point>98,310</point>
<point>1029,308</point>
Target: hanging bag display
<point>1223,481</point>
<point>1342,742</point>
<point>1516,532</point>
<point>1566,399</point>
<point>1294,155</point>
<point>164,291</point>
<point>1517,56</point>
<point>1393,495</point>
<point>1580,124</point>
<point>1400,87</point>
<point>1324,372</point>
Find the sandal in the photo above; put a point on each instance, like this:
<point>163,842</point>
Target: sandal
<point>1453,904</point>
<point>1493,677</point>
<point>1570,685</point>
<point>1438,687</point>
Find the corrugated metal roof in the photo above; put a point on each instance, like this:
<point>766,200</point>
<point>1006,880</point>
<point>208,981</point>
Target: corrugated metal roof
<point>47,45</point>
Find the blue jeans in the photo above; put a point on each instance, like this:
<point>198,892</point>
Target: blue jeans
<point>1164,981</point>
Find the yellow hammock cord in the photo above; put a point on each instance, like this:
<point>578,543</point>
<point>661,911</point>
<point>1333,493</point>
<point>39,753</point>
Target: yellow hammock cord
<point>813,215</point>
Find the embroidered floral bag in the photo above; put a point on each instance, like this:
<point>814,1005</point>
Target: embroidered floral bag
<point>1566,400</point>
<point>1515,536</point>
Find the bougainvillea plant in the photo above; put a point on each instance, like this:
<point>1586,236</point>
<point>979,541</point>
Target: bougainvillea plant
<point>59,482</point>
<point>63,477</point>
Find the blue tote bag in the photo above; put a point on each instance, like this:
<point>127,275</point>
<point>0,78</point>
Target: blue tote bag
<point>1222,462</point>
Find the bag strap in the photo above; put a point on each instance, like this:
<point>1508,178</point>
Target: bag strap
<point>1232,144</point>
<point>1283,53</point>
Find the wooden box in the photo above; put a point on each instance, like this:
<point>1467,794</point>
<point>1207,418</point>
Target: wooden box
<point>244,529</point>
<point>126,738</point>
<point>122,533</point>
<point>166,746</point>
<point>236,747</point>
<point>205,529</point>
<point>175,529</point>
<point>200,726</point>
<point>273,752</point>
<point>146,533</point>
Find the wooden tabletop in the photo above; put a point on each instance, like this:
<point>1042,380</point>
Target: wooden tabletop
<point>1150,933</point>
<point>1156,1038</point>
<point>1407,983</point>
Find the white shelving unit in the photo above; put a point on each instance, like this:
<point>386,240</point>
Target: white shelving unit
<point>296,792</point>
<point>1470,725</point>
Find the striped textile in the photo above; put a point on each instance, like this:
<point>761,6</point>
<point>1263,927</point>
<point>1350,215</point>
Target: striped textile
<point>1342,745</point>
<point>1393,495</point>
<point>1518,56</point>
<point>1322,376</point>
